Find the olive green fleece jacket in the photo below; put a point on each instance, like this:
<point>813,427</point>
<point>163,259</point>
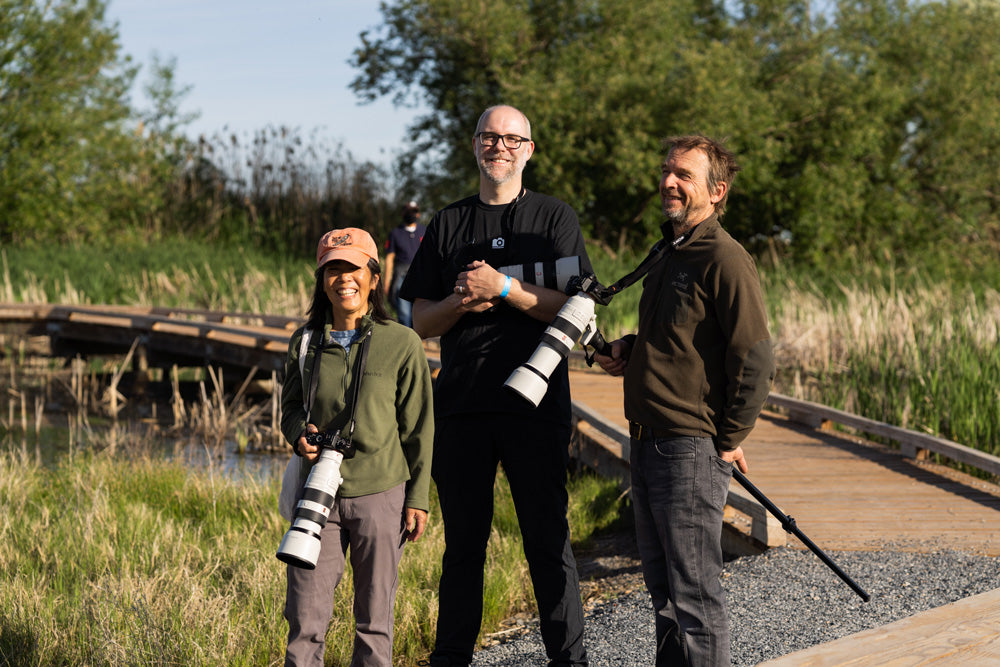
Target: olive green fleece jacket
<point>701,362</point>
<point>395,415</point>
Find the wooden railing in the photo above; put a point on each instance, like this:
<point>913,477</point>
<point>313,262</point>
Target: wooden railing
<point>911,443</point>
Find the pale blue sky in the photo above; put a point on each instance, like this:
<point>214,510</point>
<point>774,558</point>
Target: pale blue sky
<point>257,63</point>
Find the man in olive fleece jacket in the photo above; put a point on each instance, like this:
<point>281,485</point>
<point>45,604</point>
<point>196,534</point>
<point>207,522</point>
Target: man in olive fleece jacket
<point>697,373</point>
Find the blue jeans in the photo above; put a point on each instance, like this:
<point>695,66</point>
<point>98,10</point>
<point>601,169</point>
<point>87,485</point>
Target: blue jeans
<point>404,308</point>
<point>679,490</point>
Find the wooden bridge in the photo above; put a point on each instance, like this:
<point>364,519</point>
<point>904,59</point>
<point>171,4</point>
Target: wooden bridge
<point>847,492</point>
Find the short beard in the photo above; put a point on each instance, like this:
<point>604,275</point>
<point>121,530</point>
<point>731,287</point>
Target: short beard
<point>496,180</point>
<point>516,169</point>
<point>678,216</point>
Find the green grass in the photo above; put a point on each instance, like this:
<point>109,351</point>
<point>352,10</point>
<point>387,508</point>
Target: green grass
<point>943,383</point>
<point>172,273</point>
<point>108,560</point>
<point>119,561</point>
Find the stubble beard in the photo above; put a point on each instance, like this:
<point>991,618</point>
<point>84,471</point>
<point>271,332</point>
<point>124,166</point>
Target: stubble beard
<point>679,218</point>
<point>677,215</point>
<point>508,170</point>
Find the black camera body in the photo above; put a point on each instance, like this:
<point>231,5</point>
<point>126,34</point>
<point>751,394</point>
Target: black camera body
<point>587,283</point>
<point>328,440</point>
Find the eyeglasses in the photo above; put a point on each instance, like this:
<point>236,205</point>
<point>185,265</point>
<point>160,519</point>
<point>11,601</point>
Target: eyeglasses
<point>511,141</point>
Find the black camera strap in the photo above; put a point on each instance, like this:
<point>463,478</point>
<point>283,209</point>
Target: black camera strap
<point>359,374</point>
<point>661,249</point>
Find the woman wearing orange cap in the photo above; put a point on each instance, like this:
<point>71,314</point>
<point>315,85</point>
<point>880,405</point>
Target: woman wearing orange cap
<point>388,419</point>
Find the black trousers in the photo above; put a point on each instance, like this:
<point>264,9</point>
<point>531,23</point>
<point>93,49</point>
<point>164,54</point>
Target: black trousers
<point>534,456</point>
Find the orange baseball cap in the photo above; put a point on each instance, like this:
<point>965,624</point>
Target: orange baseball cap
<point>352,244</point>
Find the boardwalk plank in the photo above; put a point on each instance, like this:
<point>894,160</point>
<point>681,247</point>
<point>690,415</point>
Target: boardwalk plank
<point>960,633</point>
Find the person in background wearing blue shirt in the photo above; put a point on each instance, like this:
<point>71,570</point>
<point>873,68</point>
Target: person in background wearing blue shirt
<point>400,248</point>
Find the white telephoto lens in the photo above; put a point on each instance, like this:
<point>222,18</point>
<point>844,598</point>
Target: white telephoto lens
<point>299,549</point>
<point>325,475</point>
<point>313,506</point>
<point>566,268</point>
<point>530,380</point>
<point>528,384</point>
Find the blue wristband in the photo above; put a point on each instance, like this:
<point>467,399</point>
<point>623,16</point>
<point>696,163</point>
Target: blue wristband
<point>506,288</point>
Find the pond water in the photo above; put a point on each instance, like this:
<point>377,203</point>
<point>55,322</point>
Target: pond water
<point>231,463</point>
<point>52,443</point>
<point>39,421</point>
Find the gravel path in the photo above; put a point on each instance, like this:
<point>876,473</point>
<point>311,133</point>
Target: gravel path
<point>782,601</point>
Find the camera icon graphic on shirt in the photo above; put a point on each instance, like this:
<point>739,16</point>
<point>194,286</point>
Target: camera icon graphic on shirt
<point>498,244</point>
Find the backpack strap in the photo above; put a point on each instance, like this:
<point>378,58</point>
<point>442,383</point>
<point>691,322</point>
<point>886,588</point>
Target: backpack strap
<point>307,392</point>
<point>303,348</point>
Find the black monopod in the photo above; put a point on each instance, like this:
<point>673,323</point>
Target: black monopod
<point>588,285</point>
<point>788,523</point>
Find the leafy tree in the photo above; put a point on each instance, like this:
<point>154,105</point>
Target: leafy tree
<point>79,163</point>
<point>864,127</point>
<point>585,72</point>
<point>165,118</point>
<point>63,106</point>
<point>867,98</point>
<point>950,152</point>
<point>154,199</point>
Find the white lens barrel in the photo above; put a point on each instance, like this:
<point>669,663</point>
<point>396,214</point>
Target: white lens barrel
<point>544,360</point>
<point>325,474</point>
<point>566,268</point>
<point>301,544</point>
<point>530,380</point>
<point>299,549</point>
<point>555,275</point>
<point>307,526</point>
<point>528,384</point>
<point>313,506</point>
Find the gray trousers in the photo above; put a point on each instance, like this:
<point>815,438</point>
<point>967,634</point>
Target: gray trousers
<point>372,526</point>
<point>679,489</point>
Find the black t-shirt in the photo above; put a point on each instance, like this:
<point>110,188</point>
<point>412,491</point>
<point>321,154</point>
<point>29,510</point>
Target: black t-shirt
<point>482,349</point>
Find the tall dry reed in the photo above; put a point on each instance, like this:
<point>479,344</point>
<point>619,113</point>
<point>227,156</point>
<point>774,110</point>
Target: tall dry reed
<point>927,358</point>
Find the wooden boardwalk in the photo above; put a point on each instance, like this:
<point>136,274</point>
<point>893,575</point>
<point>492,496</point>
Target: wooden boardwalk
<point>965,633</point>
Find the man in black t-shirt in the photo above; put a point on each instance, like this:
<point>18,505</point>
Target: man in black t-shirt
<point>489,324</point>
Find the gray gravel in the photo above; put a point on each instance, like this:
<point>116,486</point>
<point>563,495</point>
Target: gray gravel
<point>782,601</point>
